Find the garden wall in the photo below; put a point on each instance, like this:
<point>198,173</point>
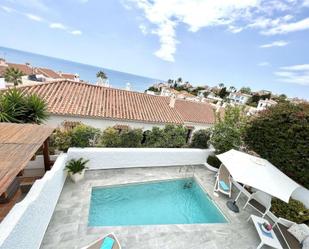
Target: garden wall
<point>24,227</point>
<point>106,158</point>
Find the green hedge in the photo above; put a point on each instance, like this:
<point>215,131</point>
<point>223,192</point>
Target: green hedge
<point>200,139</point>
<point>213,161</point>
<point>294,210</point>
<point>281,135</point>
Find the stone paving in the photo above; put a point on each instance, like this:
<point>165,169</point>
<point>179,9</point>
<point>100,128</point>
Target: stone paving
<point>69,228</point>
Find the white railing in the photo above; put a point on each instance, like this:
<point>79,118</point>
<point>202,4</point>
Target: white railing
<point>104,158</point>
<point>25,225</point>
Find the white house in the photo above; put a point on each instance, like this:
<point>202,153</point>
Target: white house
<point>102,107</point>
<point>265,103</point>
<point>239,98</point>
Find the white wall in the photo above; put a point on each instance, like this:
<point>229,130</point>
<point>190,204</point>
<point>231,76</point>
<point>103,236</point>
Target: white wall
<point>55,121</point>
<point>24,227</point>
<point>104,158</point>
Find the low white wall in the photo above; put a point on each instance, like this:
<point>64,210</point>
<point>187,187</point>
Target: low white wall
<point>24,227</point>
<point>104,158</point>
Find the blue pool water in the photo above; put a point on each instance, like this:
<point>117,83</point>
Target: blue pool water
<point>166,202</point>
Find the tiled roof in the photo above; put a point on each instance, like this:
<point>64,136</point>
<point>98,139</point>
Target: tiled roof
<point>48,73</point>
<point>195,112</point>
<point>27,70</point>
<point>68,76</point>
<point>80,99</point>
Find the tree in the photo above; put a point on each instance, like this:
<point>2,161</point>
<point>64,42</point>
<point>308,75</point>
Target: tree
<point>200,139</point>
<point>227,132</point>
<point>280,134</point>
<point>110,138</point>
<point>131,138</point>
<point>84,136</point>
<point>232,88</point>
<point>221,85</point>
<point>101,75</point>
<point>179,80</point>
<point>223,93</point>
<point>16,107</point>
<point>13,75</point>
<point>245,89</point>
<point>170,81</point>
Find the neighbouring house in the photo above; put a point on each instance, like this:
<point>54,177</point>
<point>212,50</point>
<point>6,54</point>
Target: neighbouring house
<point>211,97</point>
<point>239,98</point>
<point>103,107</point>
<point>34,75</point>
<point>265,103</point>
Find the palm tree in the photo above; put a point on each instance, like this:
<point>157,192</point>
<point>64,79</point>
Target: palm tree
<point>179,80</point>
<point>13,75</point>
<point>232,88</point>
<point>221,85</point>
<point>101,75</point>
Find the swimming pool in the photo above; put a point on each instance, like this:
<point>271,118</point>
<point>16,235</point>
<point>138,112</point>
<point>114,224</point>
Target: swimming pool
<point>166,202</point>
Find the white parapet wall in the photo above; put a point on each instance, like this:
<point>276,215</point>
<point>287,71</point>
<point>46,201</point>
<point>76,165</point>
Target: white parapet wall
<point>108,158</point>
<point>25,225</point>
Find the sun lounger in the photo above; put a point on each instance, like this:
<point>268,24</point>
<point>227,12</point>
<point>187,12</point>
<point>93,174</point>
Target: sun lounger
<point>223,182</point>
<point>107,242</point>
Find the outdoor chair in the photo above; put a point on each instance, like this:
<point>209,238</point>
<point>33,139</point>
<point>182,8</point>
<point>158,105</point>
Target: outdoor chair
<point>260,201</point>
<point>223,182</point>
<point>282,225</point>
<point>107,242</point>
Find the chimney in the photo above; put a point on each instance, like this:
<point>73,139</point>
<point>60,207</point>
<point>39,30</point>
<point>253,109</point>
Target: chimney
<point>172,101</point>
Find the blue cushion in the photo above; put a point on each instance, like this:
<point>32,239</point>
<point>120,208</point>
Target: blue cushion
<point>107,243</point>
<point>224,186</point>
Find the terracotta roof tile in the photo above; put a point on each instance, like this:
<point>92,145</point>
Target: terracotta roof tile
<point>48,73</point>
<point>195,112</point>
<point>27,70</point>
<point>81,99</point>
<point>68,76</point>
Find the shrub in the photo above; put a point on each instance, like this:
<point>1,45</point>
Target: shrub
<point>213,161</point>
<point>294,210</point>
<point>171,136</point>
<point>227,132</point>
<point>61,140</point>
<point>76,165</point>
<point>84,136</point>
<point>16,107</point>
<point>110,138</point>
<point>281,135</point>
<point>200,139</point>
<point>131,138</point>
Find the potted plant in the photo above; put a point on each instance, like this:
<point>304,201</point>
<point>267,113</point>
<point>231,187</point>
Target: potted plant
<point>76,169</point>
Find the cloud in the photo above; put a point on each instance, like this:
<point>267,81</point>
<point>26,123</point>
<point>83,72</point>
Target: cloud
<point>76,32</point>
<point>264,64</point>
<point>296,74</point>
<point>7,9</point>
<point>275,44</point>
<point>270,17</point>
<point>285,28</point>
<point>57,25</point>
<point>143,28</point>
<point>34,17</point>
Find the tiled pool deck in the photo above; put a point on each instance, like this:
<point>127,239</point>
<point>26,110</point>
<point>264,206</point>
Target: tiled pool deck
<point>69,225</point>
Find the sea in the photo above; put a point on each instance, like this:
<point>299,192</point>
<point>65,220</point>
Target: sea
<point>86,72</point>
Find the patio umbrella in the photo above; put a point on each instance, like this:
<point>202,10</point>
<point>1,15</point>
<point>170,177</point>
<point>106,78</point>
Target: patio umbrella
<point>258,173</point>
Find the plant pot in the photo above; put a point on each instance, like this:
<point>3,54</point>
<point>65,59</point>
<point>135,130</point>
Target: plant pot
<point>77,176</point>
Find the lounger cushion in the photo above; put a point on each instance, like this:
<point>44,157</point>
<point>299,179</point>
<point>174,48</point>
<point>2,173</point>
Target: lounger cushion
<point>258,206</point>
<point>224,186</point>
<point>107,243</point>
<point>299,231</point>
<point>290,239</point>
<point>306,243</point>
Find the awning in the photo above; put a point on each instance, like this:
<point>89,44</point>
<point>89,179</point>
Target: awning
<point>258,173</point>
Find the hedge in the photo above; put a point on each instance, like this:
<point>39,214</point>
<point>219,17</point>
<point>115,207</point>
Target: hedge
<point>281,135</point>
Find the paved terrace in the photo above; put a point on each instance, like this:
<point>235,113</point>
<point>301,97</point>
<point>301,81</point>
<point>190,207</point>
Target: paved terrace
<point>68,227</point>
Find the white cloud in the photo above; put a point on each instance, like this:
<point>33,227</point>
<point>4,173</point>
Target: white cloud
<point>7,9</point>
<point>285,28</point>
<point>34,17</point>
<point>143,28</point>
<point>270,17</point>
<point>76,32</point>
<point>275,44</point>
<point>264,64</point>
<point>57,25</point>
<point>296,74</point>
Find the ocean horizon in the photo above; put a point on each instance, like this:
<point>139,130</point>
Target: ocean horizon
<point>117,79</point>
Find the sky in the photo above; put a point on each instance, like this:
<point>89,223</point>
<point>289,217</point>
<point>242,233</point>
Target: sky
<point>263,44</point>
